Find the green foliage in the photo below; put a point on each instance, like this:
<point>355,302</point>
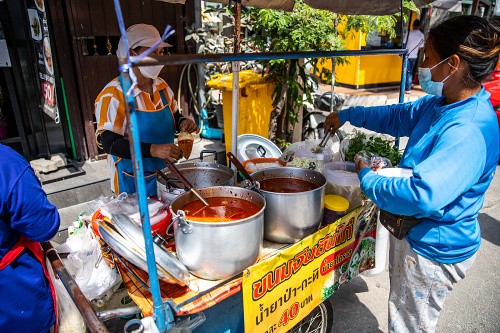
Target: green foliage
<point>304,29</point>
<point>375,145</point>
<point>282,144</point>
<point>307,29</point>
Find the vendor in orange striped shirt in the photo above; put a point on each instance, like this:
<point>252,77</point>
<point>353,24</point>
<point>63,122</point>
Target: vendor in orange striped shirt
<point>157,115</point>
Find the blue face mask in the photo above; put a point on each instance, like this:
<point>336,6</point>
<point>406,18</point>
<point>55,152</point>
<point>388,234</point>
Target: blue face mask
<point>425,79</point>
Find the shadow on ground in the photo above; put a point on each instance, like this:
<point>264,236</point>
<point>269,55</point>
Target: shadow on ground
<point>490,228</point>
<point>349,314</point>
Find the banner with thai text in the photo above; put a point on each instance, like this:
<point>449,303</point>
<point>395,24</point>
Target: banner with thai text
<point>283,289</point>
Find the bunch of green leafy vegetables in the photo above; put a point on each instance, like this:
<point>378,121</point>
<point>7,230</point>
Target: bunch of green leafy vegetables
<point>375,145</point>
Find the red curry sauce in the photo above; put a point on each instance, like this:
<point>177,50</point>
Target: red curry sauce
<point>220,209</point>
<point>286,185</point>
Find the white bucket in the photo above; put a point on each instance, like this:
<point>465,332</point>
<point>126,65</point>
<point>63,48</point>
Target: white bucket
<point>381,245</point>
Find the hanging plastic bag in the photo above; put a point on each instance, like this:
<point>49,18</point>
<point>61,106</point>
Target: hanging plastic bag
<point>70,319</point>
<point>93,276</point>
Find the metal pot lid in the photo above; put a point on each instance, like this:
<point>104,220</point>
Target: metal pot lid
<point>255,146</point>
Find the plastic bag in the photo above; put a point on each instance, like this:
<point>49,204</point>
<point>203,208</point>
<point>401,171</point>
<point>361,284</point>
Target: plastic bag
<point>375,143</point>
<point>70,319</point>
<point>93,276</point>
<point>77,239</point>
<point>374,161</point>
<point>308,150</point>
<point>128,204</point>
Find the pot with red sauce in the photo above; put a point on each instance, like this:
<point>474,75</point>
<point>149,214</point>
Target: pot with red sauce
<point>223,239</point>
<point>294,202</point>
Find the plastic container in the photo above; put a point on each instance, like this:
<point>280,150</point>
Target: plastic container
<point>256,164</point>
<point>335,208</point>
<point>342,173</point>
<point>310,149</point>
<point>396,172</point>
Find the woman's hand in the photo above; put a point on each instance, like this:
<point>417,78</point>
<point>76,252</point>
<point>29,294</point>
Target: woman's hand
<point>166,151</point>
<point>360,164</point>
<point>332,120</point>
<point>188,125</point>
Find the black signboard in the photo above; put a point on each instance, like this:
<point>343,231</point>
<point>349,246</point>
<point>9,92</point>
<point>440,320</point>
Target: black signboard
<point>43,53</point>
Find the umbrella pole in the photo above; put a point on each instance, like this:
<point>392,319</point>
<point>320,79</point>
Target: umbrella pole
<point>236,79</point>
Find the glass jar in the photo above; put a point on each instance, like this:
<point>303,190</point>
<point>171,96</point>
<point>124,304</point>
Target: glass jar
<point>335,208</point>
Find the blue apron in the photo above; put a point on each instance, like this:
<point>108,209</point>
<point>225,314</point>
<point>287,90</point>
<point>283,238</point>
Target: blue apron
<point>155,126</point>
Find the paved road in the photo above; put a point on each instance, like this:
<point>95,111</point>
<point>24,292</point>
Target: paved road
<point>472,307</point>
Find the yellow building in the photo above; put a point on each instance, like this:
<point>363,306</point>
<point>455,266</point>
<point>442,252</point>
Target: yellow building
<point>366,71</point>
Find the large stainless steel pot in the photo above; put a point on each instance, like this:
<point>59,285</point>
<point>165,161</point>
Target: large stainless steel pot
<point>289,217</point>
<point>199,174</point>
<point>218,250</point>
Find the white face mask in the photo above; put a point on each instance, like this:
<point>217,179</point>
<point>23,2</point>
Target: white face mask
<point>150,72</point>
<point>426,83</point>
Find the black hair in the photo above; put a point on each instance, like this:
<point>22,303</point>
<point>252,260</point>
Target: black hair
<point>475,40</point>
<point>416,23</point>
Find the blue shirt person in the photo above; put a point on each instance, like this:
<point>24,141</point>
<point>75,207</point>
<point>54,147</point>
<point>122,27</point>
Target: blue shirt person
<point>453,150</point>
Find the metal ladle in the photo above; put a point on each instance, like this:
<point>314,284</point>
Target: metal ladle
<point>239,166</point>
<point>179,175</point>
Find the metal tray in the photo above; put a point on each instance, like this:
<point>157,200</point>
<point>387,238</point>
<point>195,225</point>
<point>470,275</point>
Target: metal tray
<point>131,252</point>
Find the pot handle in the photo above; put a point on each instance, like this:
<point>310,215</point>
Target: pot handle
<point>203,152</point>
<point>184,225</point>
<point>261,151</point>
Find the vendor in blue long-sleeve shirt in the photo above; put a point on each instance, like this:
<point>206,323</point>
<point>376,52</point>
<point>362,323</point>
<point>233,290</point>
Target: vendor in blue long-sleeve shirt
<point>27,298</point>
<point>453,150</point>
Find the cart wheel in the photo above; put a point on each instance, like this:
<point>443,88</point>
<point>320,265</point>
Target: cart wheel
<point>318,321</point>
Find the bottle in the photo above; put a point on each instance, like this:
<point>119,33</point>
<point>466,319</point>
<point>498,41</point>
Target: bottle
<point>335,208</point>
<point>320,163</point>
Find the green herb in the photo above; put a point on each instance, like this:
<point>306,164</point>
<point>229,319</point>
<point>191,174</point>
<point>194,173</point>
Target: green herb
<point>375,145</point>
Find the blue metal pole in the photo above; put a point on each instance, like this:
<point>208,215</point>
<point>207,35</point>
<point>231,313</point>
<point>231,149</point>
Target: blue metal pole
<point>182,59</point>
<point>404,66</point>
<point>140,183</point>
<point>403,79</point>
<point>143,203</point>
<point>402,88</point>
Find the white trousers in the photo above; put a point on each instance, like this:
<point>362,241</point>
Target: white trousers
<point>418,287</point>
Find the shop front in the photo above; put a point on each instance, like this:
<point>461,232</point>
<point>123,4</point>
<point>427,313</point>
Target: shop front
<point>58,56</point>
<point>31,107</point>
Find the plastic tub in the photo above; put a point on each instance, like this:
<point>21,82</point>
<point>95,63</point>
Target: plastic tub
<point>342,173</point>
<point>396,172</point>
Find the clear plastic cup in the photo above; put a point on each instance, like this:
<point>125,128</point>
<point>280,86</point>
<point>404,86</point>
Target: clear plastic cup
<point>185,142</point>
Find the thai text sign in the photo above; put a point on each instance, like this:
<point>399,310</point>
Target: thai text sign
<point>280,291</point>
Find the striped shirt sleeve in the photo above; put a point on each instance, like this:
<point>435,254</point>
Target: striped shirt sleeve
<point>110,109</point>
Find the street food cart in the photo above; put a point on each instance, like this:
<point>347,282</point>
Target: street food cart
<point>288,283</point>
